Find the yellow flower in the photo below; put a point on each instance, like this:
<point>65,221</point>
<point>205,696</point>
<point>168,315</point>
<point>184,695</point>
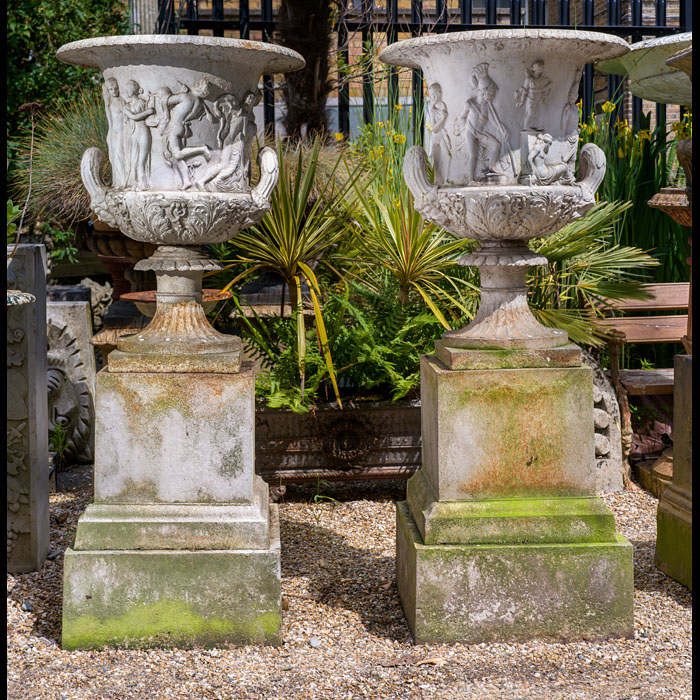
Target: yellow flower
<point>409,110</point>
<point>380,125</point>
<point>399,138</point>
<point>608,107</point>
<point>620,153</point>
<point>399,106</point>
<point>428,127</point>
<point>644,135</point>
<point>338,136</point>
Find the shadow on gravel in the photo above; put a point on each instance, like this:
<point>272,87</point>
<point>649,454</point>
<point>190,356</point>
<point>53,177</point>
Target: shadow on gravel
<point>344,491</point>
<point>649,579</point>
<point>342,576</point>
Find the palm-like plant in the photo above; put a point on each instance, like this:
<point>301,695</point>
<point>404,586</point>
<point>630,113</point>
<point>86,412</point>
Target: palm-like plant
<point>421,256</point>
<point>294,235</point>
<point>586,268</point>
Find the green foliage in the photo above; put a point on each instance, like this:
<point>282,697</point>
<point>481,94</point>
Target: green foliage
<point>13,211</point>
<point>586,267</point>
<point>60,139</point>
<point>35,31</point>
<point>63,250</point>
<point>58,443</point>
<point>639,163</point>
<point>295,236</point>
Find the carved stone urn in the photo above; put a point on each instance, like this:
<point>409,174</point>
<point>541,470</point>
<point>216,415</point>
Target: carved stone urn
<point>181,125</point>
<point>504,137</point>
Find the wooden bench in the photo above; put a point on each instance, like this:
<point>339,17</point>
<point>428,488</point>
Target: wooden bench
<point>647,329</point>
<point>644,329</point>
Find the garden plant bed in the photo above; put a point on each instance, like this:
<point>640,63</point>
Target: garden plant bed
<point>343,629</point>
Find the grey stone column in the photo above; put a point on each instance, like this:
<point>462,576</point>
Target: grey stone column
<point>27,421</point>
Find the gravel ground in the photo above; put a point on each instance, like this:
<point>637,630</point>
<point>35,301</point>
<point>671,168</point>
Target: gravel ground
<point>344,631</point>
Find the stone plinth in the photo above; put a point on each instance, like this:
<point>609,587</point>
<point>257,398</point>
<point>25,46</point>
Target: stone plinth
<point>501,536</point>
<point>180,546</point>
<point>674,518</point>
<point>27,422</point>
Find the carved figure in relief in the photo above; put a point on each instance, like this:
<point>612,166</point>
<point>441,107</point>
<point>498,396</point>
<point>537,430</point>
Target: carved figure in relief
<point>176,112</point>
<point>569,123</point>
<point>115,131</point>
<point>136,111</point>
<point>481,135</point>
<point>441,139</point>
<point>250,130</point>
<point>547,173</point>
<point>533,95</point>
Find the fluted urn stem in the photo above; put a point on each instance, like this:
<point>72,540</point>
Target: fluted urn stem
<point>504,319</point>
<point>179,337</point>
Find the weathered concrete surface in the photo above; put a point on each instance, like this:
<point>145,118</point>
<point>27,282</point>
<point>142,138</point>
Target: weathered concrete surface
<point>507,433</point>
<point>175,438</point>
<point>176,526</point>
<point>674,520</point>
<point>173,598</point>
<point>512,592</point>
<point>507,520</point>
<point>27,419</point>
<point>477,358</point>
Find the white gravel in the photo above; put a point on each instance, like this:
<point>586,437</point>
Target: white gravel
<point>344,631</point>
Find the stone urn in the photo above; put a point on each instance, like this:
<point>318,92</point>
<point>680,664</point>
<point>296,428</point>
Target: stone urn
<point>651,78</point>
<point>504,128</point>
<point>181,125</point>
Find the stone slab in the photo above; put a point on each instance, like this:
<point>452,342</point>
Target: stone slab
<point>175,438</point>
<point>674,535</point>
<point>27,414</point>
<point>507,433</point>
<point>513,592</point>
<point>508,520</point>
<point>674,517</point>
<point>462,358</point>
<point>176,526</point>
<point>215,363</point>
<point>172,598</point>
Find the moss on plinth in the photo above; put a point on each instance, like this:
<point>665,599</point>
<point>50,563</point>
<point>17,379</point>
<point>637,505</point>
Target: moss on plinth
<point>172,598</point>
<point>513,592</point>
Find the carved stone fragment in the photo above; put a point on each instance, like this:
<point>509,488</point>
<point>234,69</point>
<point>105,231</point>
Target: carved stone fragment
<point>27,431</point>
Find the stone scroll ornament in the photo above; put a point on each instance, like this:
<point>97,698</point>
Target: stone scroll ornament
<point>180,130</point>
<point>508,174</point>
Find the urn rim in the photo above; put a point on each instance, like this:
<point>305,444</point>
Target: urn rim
<point>588,45</point>
<point>621,65</point>
<point>109,51</point>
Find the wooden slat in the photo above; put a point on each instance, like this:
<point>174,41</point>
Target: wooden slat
<point>649,329</point>
<point>639,382</point>
<point>664,297</point>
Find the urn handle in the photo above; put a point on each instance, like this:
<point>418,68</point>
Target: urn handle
<point>91,172</point>
<point>591,169</point>
<point>415,173</point>
<point>269,172</point>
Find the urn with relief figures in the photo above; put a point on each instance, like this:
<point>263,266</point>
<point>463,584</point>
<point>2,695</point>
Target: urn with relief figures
<point>181,126</point>
<point>504,128</point>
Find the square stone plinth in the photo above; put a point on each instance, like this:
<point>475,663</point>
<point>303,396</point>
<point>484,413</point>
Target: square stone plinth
<point>674,518</point>
<point>507,433</point>
<point>175,437</point>
<point>173,598</point>
<point>513,592</point>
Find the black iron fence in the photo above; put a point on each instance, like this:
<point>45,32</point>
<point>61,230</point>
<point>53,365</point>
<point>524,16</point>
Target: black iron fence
<point>366,20</point>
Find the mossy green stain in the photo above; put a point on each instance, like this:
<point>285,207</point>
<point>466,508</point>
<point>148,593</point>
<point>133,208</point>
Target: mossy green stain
<point>167,623</point>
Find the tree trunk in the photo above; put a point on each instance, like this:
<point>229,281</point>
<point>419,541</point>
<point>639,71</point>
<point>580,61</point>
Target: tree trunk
<point>305,26</point>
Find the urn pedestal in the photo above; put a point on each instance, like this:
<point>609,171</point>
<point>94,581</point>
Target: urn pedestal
<point>501,536</point>
<point>180,546</point>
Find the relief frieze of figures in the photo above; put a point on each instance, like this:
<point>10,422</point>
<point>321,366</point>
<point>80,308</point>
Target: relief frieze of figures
<point>141,124</point>
<point>478,137</point>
